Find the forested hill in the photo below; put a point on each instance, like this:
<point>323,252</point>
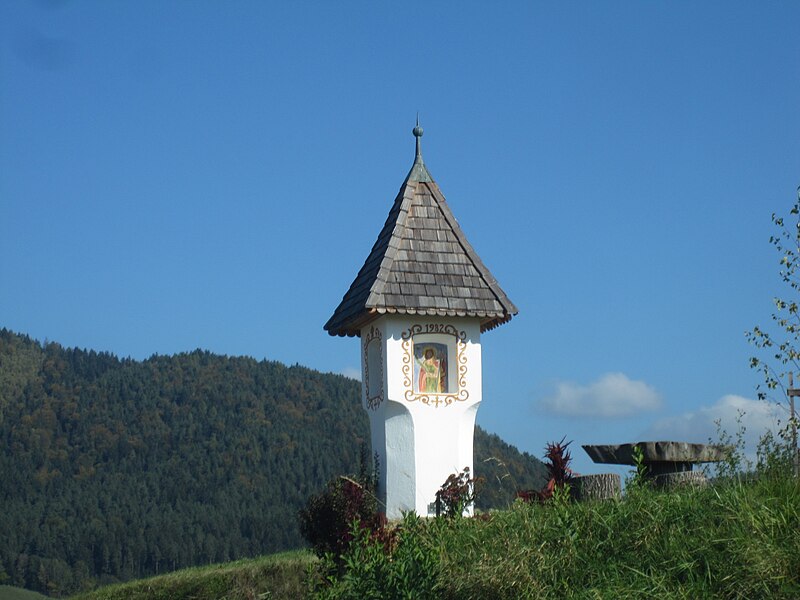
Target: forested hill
<point>114,468</point>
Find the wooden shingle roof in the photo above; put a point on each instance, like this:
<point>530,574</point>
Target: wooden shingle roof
<point>421,264</point>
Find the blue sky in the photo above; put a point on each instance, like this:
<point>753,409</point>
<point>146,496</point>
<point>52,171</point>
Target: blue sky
<point>176,175</point>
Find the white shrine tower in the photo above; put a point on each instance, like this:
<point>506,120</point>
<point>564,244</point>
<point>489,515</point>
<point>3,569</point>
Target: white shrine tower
<point>419,305</point>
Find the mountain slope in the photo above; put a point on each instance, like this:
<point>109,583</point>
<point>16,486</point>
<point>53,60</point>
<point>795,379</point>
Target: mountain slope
<point>113,468</point>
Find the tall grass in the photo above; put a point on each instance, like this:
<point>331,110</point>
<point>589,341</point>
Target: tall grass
<point>737,539</point>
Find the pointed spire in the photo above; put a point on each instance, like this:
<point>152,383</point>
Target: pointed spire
<point>418,171</point>
<point>417,131</point>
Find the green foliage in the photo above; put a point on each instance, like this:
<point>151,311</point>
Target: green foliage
<point>774,457</point>
<point>734,540</point>
<point>781,347</point>
<point>735,462</point>
<point>113,468</point>
<point>780,350</point>
<point>639,477</point>
<point>406,569</point>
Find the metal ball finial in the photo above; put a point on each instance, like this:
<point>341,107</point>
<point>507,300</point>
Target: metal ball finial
<point>417,131</point>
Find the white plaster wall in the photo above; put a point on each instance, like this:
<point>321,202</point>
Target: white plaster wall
<point>419,445</point>
<point>399,463</point>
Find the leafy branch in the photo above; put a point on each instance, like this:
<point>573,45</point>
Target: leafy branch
<point>780,352</point>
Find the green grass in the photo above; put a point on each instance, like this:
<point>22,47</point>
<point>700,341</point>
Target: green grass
<point>8,592</point>
<point>273,577</point>
<point>734,540</point>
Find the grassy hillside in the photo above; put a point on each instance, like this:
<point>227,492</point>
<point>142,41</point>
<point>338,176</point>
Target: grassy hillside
<point>736,540</point>
<point>277,577</point>
<point>8,592</point>
<point>112,468</point>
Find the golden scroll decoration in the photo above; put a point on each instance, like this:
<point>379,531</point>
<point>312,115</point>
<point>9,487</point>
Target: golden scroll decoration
<point>430,399</point>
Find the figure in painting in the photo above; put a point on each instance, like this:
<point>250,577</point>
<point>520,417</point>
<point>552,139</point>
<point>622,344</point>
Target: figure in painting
<point>432,372</point>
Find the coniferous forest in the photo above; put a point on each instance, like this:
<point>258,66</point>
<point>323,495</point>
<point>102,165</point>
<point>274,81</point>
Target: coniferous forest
<point>115,468</point>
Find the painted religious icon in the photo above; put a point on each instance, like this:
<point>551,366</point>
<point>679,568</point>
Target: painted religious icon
<point>431,361</point>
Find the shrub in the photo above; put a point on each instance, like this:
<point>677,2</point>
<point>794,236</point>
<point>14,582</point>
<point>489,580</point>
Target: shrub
<point>327,519</point>
<point>457,493</point>
<point>369,570</point>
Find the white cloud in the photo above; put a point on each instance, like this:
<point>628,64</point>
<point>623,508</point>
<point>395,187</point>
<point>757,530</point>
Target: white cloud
<point>613,395</point>
<point>699,425</point>
<point>352,373</point>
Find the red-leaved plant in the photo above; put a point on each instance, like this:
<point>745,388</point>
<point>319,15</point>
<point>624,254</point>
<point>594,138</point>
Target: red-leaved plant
<point>327,519</point>
<point>557,459</point>
<point>456,494</point>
